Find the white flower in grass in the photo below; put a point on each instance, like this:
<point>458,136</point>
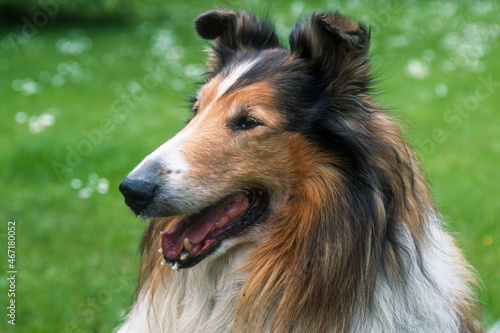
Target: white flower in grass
<point>417,69</point>
<point>85,193</point>
<point>441,89</point>
<point>76,183</point>
<point>103,185</point>
<point>46,119</point>
<point>21,117</point>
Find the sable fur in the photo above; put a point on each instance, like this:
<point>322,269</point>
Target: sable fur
<point>353,241</point>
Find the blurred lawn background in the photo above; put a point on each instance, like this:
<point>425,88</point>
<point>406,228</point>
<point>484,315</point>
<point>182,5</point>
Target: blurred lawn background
<point>88,88</point>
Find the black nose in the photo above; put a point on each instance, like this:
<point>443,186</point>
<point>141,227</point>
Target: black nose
<point>138,193</point>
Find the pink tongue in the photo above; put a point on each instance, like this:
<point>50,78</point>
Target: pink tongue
<point>196,228</point>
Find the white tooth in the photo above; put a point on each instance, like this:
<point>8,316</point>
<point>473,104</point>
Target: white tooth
<point>161,232</point>
<point>160,250</point>
<point>187,244</point>
<point>222,222</point>
<point>239,197</point>
<point>163,262</point>
<point>175,266</point>
<point>184,256</point>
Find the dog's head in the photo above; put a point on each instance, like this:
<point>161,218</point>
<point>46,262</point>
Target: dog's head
<point>266,120</point>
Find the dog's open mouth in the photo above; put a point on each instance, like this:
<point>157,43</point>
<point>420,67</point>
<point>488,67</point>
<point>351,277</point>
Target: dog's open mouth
<point>195,237</point>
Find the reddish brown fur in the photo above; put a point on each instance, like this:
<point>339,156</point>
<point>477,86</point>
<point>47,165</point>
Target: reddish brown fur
<point>286,254</point>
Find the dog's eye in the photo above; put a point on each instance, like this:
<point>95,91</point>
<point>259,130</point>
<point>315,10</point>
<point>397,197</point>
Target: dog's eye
<point>246,122</point>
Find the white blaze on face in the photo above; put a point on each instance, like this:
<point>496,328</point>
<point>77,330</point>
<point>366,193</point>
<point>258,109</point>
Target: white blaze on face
<point>234,76</point>
<point>226,83</point>
<point>168,158</point>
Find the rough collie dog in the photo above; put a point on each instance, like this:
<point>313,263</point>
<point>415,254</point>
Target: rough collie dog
<point>290,201</point>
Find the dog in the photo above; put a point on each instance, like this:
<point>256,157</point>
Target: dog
<point>291,202</point>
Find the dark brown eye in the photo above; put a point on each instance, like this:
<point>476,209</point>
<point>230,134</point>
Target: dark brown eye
<point>246,122</point>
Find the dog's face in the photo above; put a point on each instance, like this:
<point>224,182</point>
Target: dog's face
<point>240,156</point>
<point>231,164</point>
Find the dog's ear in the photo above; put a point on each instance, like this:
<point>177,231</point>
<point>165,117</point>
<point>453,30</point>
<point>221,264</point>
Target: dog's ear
<point>336,49</point>
<point>233,32</point>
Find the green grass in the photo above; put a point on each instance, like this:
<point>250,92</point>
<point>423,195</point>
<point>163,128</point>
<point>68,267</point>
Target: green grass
<point>77,257</point>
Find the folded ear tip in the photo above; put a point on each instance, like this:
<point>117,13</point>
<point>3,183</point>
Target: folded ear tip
<point>343,29</point>
<point>212,24</point>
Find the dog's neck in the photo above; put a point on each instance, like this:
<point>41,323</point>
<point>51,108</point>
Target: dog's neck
<point>198,299</point>
<point>203,298</point>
